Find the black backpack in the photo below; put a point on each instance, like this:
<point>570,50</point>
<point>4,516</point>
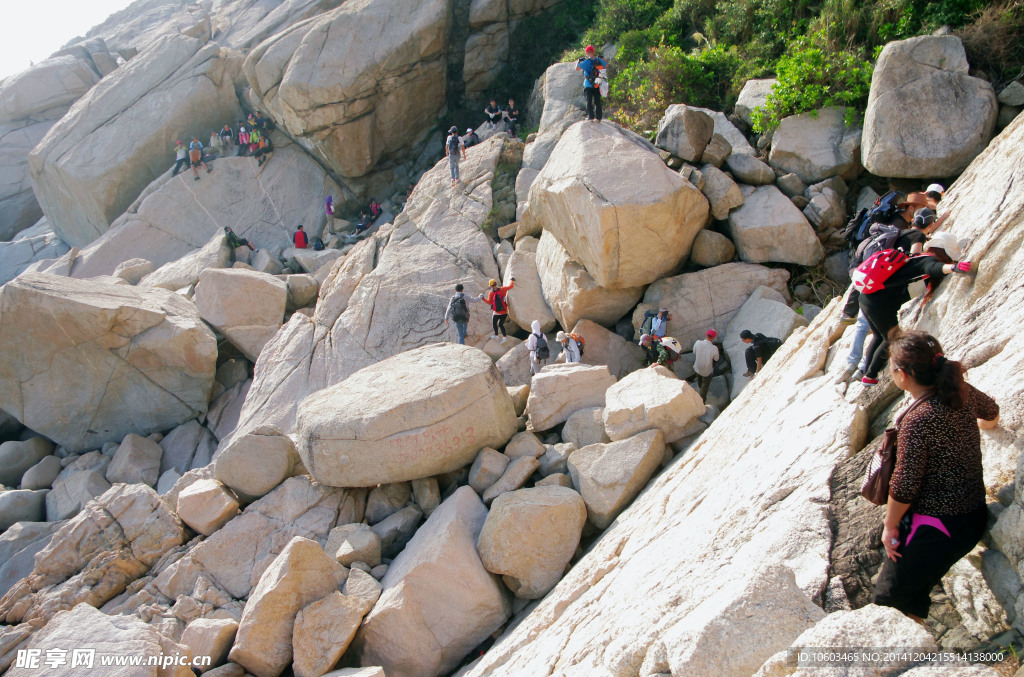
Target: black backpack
<point>770,345</point>
<point>318,244</point>
<point>543,352</point>
<point>453,143</point>
<point>498,302</point>
<point>885,208</point>
<point>460,313</point>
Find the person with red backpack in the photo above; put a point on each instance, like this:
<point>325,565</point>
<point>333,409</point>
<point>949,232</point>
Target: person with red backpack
<point>496,299</point>
<point>883,280</point>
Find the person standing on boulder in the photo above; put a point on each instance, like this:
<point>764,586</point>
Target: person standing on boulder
<point>936,511</point>
<point>299,238</point>
<point>458,312</point>
<point>537,344</point>
<point>591,65</point>
<point>452,147</point>
<point>495,298</point>
<point>706,352</point>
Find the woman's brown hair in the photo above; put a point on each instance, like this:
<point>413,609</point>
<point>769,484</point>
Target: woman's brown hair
<point>919,355</point>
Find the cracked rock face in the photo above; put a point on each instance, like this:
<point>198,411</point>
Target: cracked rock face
<point>926,116</point>
<point>89,362</point>
<point>95,555</point>
<point>421,413</point>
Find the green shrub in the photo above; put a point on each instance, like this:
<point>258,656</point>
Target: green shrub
<point>810,78</point>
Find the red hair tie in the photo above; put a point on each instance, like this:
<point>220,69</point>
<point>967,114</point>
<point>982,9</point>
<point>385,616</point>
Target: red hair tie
<point>938,360</point>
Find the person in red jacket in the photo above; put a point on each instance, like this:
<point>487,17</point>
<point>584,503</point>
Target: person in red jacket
<point>495,298</point>
<point>299,238</point>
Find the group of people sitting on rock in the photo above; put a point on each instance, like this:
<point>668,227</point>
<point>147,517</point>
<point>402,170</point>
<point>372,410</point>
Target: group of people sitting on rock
<point>896,246</point>
<point>496,115</point>
<point>367,216</point>
<point>253,139</point>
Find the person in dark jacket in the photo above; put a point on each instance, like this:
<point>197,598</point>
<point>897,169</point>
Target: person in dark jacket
<point>759,350</point>
<point>881,307</point>
<point>936,510</point>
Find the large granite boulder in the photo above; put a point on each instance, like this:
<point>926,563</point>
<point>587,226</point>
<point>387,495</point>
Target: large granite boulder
<point>769,227</point>
<point>422,625</point>
<point>764,312</point>
<point>30,246</point>
<point>624,233</point>
<point>46,89</point>
<point>491,23</point>
<point>816,145</point>
<point>926,116</point>
<point>118,138</point>
<point>754,95</point>
<point>707,299</point>
<point>651,399</point>
<point>443,403</point>
<point>128,359</point>
<point>562,107</point>
<point>176,215</point>
<point>244,305</point>
<point>357,84</point>
<point>526,300</point>
<point>560,390</point>
<point>684,132</point>
<point>608,348</point>
<point>572,293</point>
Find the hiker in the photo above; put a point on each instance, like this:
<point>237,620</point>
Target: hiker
<point>227,136</point>
<point>458,313</point>
<point>181,158</point>
<point>881,298</point>
<point>495,298</point>
<point>375,209</point>
<point>234,242</point>
<point>470,139</point>
<point>910,241</point>
<point>299,238</point>
<point>936,510</point>
<point>494,113</point>
<point>195,157</point>
<point>537,344</point>
<point>760,349</point>
<point>243,137</point>
<point>571,346</point>
<point>452,147</point>
<point>650,349</point>
<point>591,65</point>
<point>215,144</point>
<point>364,223</point>
<point>706,352</point>
<point>656,324</point>
<point>669,351</point>
<point>329,212</point>
<point>264,148</point>
<point>511,115</point>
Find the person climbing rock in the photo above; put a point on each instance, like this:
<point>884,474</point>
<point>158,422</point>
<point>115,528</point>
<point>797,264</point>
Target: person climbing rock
<point>511,115</point>
<point>656,323</point>
<point>706,353</point>
<point>591,65</point>
<point>496,299</point>
<point>537,344</point>
<point>759,350</point>
<point>494,113</point>
<point>570,347</point>
<point>299,238</point>
<point>458,312</point>
<point>181,158</point>
<point>669,351</point>
<point>650,349</point>
<point>936,511</point>
<point>195,157</point>
<point>880,299</point>
<point>452,147</point>
<point>234,242</point>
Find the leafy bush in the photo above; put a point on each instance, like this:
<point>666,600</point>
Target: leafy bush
<point>810,78</point>
<point>994,41</point>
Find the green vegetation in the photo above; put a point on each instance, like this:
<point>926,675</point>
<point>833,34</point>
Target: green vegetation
<point>701,52</point>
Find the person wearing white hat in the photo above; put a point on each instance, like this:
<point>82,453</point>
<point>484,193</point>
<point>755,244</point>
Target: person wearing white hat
<point>881,306</point>
<point>471,138</point>
<point>570,347</point>
<point>935,191</point>
<point>537,344</point>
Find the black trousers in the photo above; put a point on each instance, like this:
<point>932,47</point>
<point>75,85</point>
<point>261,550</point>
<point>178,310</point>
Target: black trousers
<point>906,584</point>
<point>498,324</point>
<point>179,165</point>
<point>750,355</point>
<point>704,383</point>
<point>882,313</point>
<point>852,306</point>
<point>593,97</point>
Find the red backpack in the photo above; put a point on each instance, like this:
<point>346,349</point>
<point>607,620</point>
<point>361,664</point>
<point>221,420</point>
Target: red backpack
<point>872,275</point>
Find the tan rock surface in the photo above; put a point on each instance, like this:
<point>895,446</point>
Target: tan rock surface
<point>624,238</point>
<point>526,300</point>
<point>608,348</point>
<point>244,305</point>
<point>130,360</point>
<point>560,390</point>
<point>348,437</point>
<point>651,399</point>
<point>712,249</point>
<point>322,632</point>
<point>206,506</point>
<point>210,637</point>
<point>769,227</point>
<point>137,459</point>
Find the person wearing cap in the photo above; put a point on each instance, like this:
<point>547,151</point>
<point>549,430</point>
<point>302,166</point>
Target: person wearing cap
<point>760,349</point>
<point>452,147</point>
<point>705,353</point>
<point>537,344</point>
<point>497,300</point>
<point>570,347</point>
<point>470,139</point>
<point>657,352</point>
<point>591,65</point>
<point>881,307</point>
<point>181,158</point>
<point>494,113</point>
<point>650,349</point>
<point>656,324</point>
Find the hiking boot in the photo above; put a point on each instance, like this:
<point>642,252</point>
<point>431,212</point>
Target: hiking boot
<point>868,381</point>
<point>195,178</point>
<point>847,320</point>
<point>857,375</point>
<point>748,374</point>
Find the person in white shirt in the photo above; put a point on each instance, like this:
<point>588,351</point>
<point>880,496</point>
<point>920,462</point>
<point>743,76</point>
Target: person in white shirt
<point>705,353</point>
<point>537,344</point>
<point>569,346</point>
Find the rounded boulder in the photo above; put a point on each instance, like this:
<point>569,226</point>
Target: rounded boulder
<point>423,412</point>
